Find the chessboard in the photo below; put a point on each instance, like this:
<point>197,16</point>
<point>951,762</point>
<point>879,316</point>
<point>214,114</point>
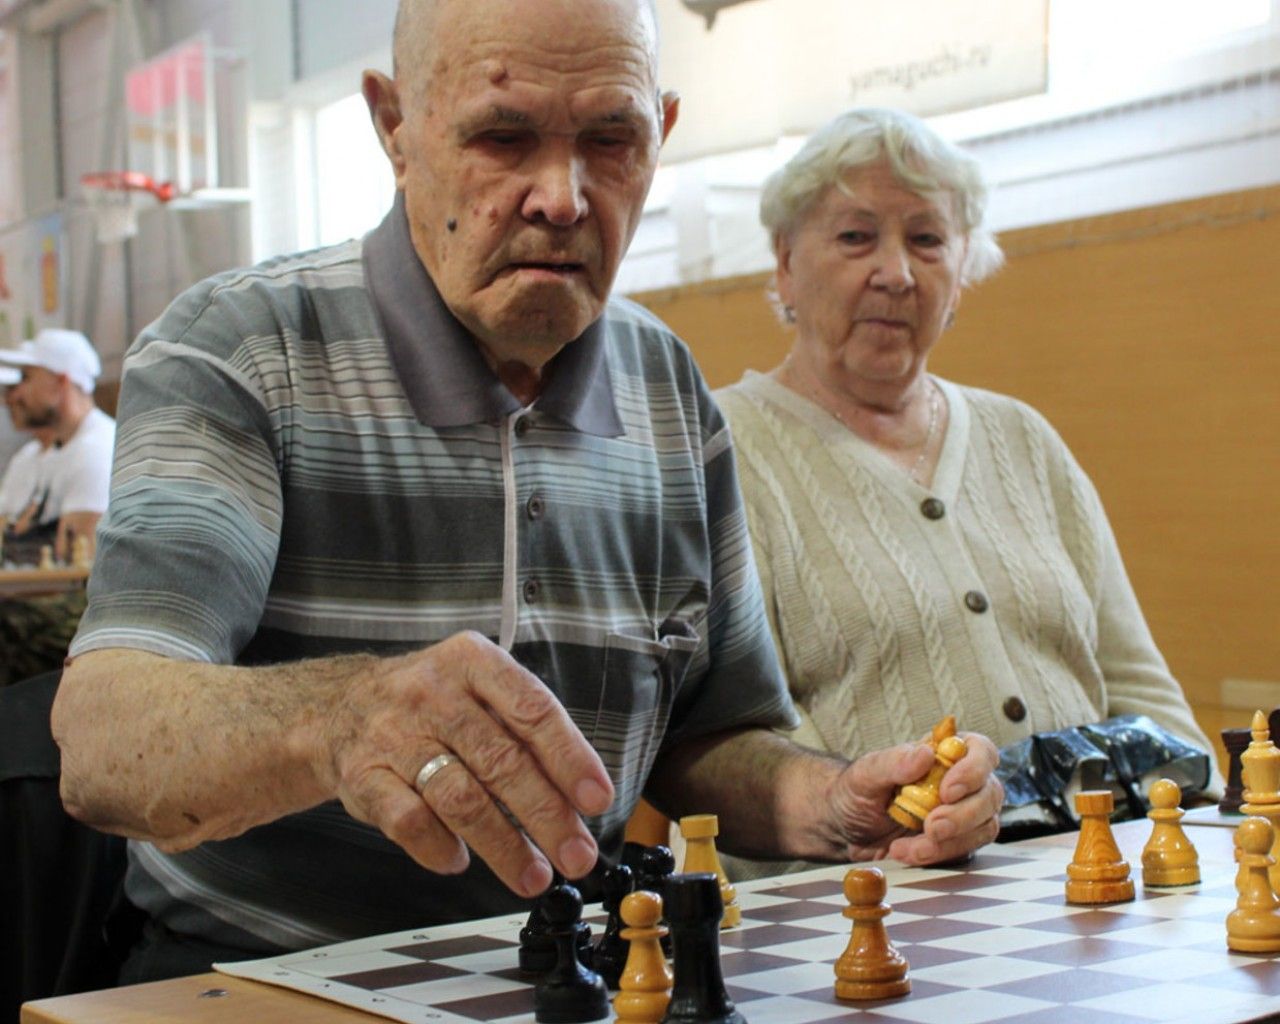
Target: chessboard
<point>990,941</point>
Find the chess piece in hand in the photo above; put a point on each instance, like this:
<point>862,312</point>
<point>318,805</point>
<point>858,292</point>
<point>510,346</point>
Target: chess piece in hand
<point>914,801</point>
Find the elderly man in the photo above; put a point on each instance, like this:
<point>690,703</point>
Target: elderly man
<point>421,548</point>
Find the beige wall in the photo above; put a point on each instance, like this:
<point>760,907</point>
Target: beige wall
<point>1151,339</point>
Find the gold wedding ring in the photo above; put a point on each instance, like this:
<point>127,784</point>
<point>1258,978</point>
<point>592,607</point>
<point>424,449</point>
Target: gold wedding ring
<point>428,770</point>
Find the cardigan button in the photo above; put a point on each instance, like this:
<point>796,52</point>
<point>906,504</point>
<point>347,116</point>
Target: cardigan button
<point>976,601</point>
<point>933,508</point>
<point>522,426</point>
<point>534,507</point>
<point>1014,709</point>
<point>532,588</point>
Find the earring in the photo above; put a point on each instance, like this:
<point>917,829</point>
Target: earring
<point>951,319</point>
<point>789,314</point>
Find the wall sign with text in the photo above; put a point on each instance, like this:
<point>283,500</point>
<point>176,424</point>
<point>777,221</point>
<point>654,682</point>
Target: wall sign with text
<point>749,71</point>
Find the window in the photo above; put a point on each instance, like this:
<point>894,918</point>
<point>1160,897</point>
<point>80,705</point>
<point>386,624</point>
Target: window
<point>354,184</point>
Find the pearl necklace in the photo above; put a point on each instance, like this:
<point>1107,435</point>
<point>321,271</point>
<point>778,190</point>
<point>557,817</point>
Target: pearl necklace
<point>914,471</point>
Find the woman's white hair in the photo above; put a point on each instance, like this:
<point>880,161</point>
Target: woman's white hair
<point>921,159</point>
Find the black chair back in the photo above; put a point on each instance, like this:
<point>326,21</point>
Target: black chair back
<point>59,879</point>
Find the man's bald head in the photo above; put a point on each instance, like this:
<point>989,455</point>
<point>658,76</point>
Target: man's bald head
<point>524,136</point>
<point>413,52</point>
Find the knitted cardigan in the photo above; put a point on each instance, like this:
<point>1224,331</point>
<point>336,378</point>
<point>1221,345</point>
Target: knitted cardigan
<point>886,619</point>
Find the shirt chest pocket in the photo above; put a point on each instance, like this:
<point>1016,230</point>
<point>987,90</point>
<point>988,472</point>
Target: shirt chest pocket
<point>640,679</point>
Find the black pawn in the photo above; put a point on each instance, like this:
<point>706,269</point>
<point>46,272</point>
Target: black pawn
<point>656,865</point>
<point>693,908</point>
<point>569,993</point>
<point>537,953</point>
<point>610,953</point>
<point>631,854</point>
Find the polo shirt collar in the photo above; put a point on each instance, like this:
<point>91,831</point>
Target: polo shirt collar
<point>439,364</point>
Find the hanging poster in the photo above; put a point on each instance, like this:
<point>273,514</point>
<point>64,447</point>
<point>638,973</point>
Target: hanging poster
<point>45,301</point>
<point>10,318</point>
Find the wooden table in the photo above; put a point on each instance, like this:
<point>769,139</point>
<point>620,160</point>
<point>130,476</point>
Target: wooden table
<point>221,999</point>
<point>200,999</point>
<point>34,582</point>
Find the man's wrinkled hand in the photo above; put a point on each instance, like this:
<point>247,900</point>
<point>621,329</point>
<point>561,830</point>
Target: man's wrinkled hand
<point>519,758</point>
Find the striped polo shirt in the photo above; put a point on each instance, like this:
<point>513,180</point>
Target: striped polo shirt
<point>313,458</point>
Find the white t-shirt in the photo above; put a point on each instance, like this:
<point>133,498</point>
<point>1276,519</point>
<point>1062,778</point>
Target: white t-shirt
<point>23,480</point>
<point>79,472</point>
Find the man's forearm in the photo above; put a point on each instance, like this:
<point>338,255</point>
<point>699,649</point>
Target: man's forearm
<point>768,793</point>
<point>179,752</point>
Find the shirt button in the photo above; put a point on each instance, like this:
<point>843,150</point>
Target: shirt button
<point>1014,709</point>
<point>976,601</point>
<point>533,507</point>
<point>522,426</point>
<point>531,589</point>
<point>933,508</point>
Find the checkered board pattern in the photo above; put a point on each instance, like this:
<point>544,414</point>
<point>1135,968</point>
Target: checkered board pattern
<point>993,941</point>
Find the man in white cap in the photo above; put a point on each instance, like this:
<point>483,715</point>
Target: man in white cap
<point>25,468</point>
<point>55,396</point>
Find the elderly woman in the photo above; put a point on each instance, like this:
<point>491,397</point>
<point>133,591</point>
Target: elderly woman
<point>925,548</point>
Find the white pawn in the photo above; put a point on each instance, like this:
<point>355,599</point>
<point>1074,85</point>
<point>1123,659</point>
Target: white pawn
<point>645,985</point>
<point>870,967</point>
<point>1168,858</point>
<point>81,552</point>
<point>1254,926</point>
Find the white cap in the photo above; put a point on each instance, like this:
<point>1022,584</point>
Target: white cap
<point>59,351</point>
<point>8,375</point>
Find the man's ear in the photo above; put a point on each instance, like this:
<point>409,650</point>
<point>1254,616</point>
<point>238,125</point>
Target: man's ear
<point>383,99</point>
<point>670,101</point>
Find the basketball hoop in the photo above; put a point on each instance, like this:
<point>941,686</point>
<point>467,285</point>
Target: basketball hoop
<point>115,197</point>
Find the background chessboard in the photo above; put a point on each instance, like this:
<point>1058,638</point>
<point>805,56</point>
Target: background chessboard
<point>992,941</point>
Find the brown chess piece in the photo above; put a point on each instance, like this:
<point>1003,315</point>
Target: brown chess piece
<point>1254,926</point>
<point>1097,873</point>
<point>945,728</point>
<point>699,832</point>
<point>1260,772</point>
<point>645,985</point>
<point>913,802</point>
<point>1168,858</point>
<point>1235,741</point>
<point>869,968</point>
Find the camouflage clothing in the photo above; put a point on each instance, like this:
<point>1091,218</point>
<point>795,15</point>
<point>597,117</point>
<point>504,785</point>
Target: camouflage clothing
<point>35,633</point>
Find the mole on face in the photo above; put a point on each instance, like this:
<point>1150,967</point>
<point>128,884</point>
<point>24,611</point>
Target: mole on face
<point>451,224</point>
<point>495,71</point>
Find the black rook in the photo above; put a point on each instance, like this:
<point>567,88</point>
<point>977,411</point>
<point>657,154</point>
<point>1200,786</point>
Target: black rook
<point>693,908</point>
